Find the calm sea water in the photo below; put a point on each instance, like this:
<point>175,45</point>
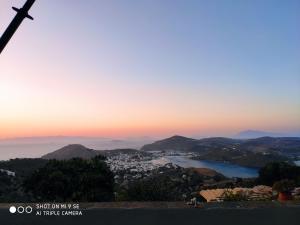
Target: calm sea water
<point>227,169</point>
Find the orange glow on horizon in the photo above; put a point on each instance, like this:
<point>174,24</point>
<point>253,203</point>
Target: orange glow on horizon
<point>137,74</point>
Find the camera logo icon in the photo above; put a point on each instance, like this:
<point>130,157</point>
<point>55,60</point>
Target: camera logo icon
<point>20,209</point>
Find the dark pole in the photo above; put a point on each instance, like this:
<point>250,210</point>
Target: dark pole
<point>13,26</point>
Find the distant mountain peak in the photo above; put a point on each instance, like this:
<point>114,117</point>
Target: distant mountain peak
<point>248,134</point>
<point>71,151</point>
<point>175,142</point>
<point>179,137</point>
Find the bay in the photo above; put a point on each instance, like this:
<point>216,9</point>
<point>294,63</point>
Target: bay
<point>227,169</point>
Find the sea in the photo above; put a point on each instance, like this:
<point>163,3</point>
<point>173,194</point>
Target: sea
<point>227,169</point>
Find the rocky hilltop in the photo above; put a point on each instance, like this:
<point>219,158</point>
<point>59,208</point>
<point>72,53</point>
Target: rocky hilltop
<point>174,143</point>
<point>72,151</point>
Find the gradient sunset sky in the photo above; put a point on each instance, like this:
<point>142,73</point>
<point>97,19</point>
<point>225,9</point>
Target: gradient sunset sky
<point>151,67</point>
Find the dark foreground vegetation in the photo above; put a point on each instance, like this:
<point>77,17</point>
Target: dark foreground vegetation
<point>90,180</point>
<point>72,180</point>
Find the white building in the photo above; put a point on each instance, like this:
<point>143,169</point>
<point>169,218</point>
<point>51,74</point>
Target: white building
<point>9,173</point>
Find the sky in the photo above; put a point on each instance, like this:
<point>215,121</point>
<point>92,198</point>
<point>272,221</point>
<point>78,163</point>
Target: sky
<point>151,68</point>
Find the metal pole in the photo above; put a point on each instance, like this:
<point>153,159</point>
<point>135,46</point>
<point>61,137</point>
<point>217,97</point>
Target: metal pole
<point>15,23</point>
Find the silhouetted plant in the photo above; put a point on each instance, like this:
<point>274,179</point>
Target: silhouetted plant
<point>72,180</point>
<point>284,186</point>
<point>277,171</point>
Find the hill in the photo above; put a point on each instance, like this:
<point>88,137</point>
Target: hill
<point>242,158</point>
<point>23,167</point>
<point>175,143</point>
<point>180,143</point>
<point>255,152</point>
<point>289,146</point>
<point>215,143</point>
<point>206,172</point>
<point>32,147</point>
<point>129,151</point>
<point>247,134</point>
<point>72,151</point>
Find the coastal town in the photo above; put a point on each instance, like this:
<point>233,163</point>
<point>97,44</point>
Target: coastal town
<point>164,175</point>
<point>138,166</point>
<point>176,169</point>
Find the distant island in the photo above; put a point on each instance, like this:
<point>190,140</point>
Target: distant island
<point>250,134</point>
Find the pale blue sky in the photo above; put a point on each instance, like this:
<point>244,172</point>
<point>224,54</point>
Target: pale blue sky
<point>238,58</point>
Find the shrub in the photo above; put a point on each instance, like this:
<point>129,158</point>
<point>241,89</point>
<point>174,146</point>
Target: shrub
<point>72,180</point>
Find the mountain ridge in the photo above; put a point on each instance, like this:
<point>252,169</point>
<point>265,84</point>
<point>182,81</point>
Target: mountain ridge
<point>175,142</point>
<point>249,152</point>
<point>248,134</point>
<point>71,151</point>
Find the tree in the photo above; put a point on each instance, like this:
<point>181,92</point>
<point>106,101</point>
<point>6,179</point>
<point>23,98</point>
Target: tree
<point>277,171</point>
<point>170,185</point>
<point>72,180</point>
<point>160,188</point>
<point>284,186</point>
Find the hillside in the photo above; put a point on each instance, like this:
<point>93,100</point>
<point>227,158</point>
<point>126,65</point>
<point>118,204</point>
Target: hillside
<point>206,172</point>
<point>289,146</point>
<point>128,151</point>
<point>249,152</point>
<point>247,134</point>
<point>179,143</point>
<point>242,158</point>
<point>23,167</point>
<point>72,151</point>
<point>215,143</point>
<point>175,143</point>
